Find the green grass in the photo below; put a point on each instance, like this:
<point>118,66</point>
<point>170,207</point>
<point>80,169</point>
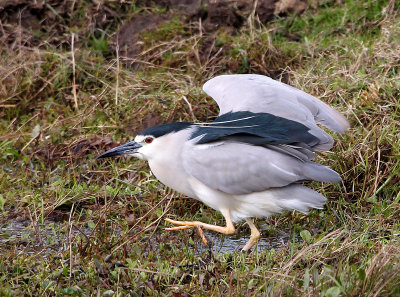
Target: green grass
<point>75,226</point>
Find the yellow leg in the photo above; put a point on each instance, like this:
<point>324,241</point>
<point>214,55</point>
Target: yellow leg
<point>254,235</point>
<point>228,229</point>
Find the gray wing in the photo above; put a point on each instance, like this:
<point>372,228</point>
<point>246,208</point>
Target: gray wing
<point>238,168</point>
<point>258,93</point>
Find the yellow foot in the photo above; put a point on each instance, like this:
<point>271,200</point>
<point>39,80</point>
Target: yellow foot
<point>187,225</point>
<point>254,235</point>
<point>229,229</point>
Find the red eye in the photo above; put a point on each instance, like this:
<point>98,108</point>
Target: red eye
<point>149,140</point>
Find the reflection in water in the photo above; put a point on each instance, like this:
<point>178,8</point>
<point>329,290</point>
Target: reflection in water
<point>223,244</point>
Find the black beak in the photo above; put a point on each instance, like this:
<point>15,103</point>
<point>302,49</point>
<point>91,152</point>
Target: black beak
<point>127,148</point>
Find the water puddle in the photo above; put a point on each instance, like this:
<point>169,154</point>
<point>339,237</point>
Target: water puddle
<point>230,244</point>
<point>25,238</point>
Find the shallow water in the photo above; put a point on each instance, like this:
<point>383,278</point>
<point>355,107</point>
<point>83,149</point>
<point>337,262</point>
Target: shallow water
<point>23,237</point>
<point>52,238</point>
<point>230,244</point>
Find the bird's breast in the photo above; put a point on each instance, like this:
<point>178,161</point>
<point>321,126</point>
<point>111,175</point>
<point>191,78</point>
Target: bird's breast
<point>172,176</point>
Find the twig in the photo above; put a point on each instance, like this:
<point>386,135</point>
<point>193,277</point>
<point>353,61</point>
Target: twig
<point>70,240</point>
<point>118,69</point>
<point>190,107</point>
<point>73,71</point>
<point>377,171</point>
<point>29,142</point>
<point>147,227</point>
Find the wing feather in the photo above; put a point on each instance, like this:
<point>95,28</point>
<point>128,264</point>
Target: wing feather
<point>261,94</point>
<point>238,168</point>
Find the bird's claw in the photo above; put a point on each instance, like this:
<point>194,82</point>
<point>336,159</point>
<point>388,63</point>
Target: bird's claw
<point>187,225</point>
<point>202,235</point>
<point>178,228</point>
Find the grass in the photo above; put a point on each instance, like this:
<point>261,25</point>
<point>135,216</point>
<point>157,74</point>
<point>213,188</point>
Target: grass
<point>72,226</point>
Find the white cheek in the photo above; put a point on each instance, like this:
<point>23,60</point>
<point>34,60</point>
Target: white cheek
<point>143,153</point>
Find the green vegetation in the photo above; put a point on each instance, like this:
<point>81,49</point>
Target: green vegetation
<point>74,226</point>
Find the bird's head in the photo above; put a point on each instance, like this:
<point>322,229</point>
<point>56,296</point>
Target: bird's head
<point>148,142</point>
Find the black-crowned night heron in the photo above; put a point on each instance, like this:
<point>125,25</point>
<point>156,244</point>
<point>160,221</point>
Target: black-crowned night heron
<point>251,161</point>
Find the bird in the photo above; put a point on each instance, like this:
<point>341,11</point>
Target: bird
<point>251,162</point>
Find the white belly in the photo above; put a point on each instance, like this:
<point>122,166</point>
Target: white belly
<point>259,204</point>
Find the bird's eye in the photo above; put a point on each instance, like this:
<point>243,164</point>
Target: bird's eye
<point>149,139</point>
